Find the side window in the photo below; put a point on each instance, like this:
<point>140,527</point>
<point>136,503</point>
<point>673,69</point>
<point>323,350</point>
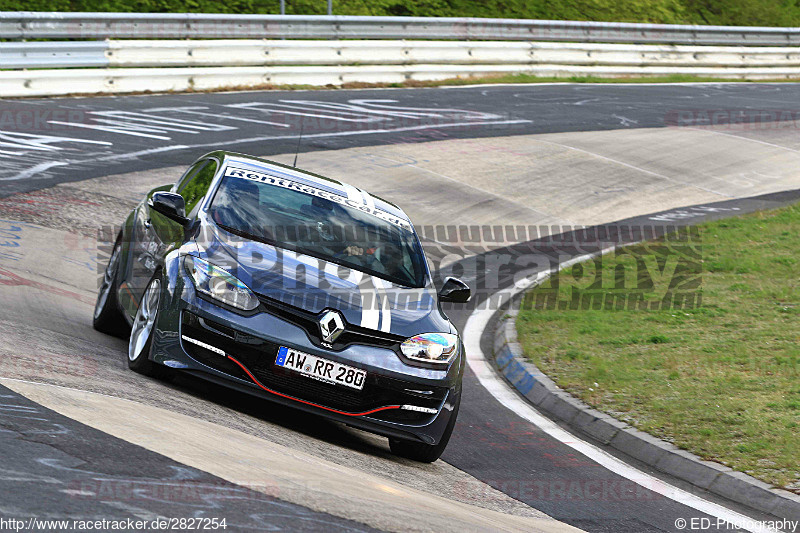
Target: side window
<point>196,185</point>
<point>188,175</point>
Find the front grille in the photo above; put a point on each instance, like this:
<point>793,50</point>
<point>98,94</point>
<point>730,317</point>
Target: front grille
<point>258,355</point>
<point>309,322</point>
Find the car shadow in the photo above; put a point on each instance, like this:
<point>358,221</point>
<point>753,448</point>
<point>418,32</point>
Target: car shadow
<point>296,420</point>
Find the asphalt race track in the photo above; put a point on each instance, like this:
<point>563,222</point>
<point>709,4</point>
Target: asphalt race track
<point>555,155</point>
<point>57,450</point>
<point>49,141</point>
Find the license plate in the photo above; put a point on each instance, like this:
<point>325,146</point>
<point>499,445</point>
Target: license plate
<point>320,369</point>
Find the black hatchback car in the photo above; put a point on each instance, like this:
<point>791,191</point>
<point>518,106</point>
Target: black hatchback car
<point>292,287</point>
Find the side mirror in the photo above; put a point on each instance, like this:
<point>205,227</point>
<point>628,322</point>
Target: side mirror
<point>454,290</point>
<point>171,205</point>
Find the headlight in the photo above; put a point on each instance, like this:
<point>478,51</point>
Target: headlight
<point>431,347</point>
<point>219,284</point>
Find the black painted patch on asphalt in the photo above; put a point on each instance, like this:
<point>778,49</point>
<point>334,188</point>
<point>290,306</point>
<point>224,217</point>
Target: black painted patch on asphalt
<point>48,141</point>
<point>56,468</point>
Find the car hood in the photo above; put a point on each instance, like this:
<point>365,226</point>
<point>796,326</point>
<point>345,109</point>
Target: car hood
<point>314,285</point>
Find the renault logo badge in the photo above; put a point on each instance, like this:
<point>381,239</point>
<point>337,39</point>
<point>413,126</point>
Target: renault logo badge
<point>331,325</point>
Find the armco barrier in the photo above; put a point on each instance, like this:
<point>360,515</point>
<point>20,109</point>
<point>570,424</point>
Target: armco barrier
<point>126,80</point>
<point>247,52</point>
<point>53,54</point>
<point>35,25</point>
<point>251,52</point>
<point>133,66</point>
<point>241,61</point>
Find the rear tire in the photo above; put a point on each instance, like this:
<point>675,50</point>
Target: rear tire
<point>140,344</point>
<point>107,316</point>
<point>421,452</point>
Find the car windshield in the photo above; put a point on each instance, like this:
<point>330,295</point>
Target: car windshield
<point>319,223</point>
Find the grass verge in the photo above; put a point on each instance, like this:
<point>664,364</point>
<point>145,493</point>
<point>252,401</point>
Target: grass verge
<point>529,78</point>
<point>721,379</point>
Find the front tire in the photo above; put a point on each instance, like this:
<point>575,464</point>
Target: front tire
<point>107,317</point>
<point>421,452</point>
<point>142,332</point>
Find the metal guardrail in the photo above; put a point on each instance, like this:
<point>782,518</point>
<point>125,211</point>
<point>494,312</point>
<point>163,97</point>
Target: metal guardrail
<point>248,52</point>
<point>45,25</point>
<point>261,52</point>
<point>53,54</point>
<point>59,82</point>
<point>173,68</point>
<point>229,51</point>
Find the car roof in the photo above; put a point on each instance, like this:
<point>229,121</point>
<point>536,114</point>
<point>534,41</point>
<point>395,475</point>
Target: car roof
<point>276,169</point>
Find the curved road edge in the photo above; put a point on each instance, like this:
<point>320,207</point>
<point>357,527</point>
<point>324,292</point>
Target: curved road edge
<point>540,392</point>
<point>545,395</point>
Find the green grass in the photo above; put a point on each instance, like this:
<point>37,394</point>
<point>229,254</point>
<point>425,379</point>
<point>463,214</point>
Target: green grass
<point>528,78</point>
<point>721,380</point>
<point>522,78</point>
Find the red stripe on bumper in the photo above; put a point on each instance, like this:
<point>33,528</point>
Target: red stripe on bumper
<point>305,402</point>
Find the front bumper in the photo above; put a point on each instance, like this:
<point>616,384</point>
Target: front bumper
<point>237,351</point>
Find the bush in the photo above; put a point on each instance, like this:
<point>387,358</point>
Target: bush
<point>724,12</point>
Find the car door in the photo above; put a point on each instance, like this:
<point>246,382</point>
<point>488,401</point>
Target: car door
<point>155,235</point>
